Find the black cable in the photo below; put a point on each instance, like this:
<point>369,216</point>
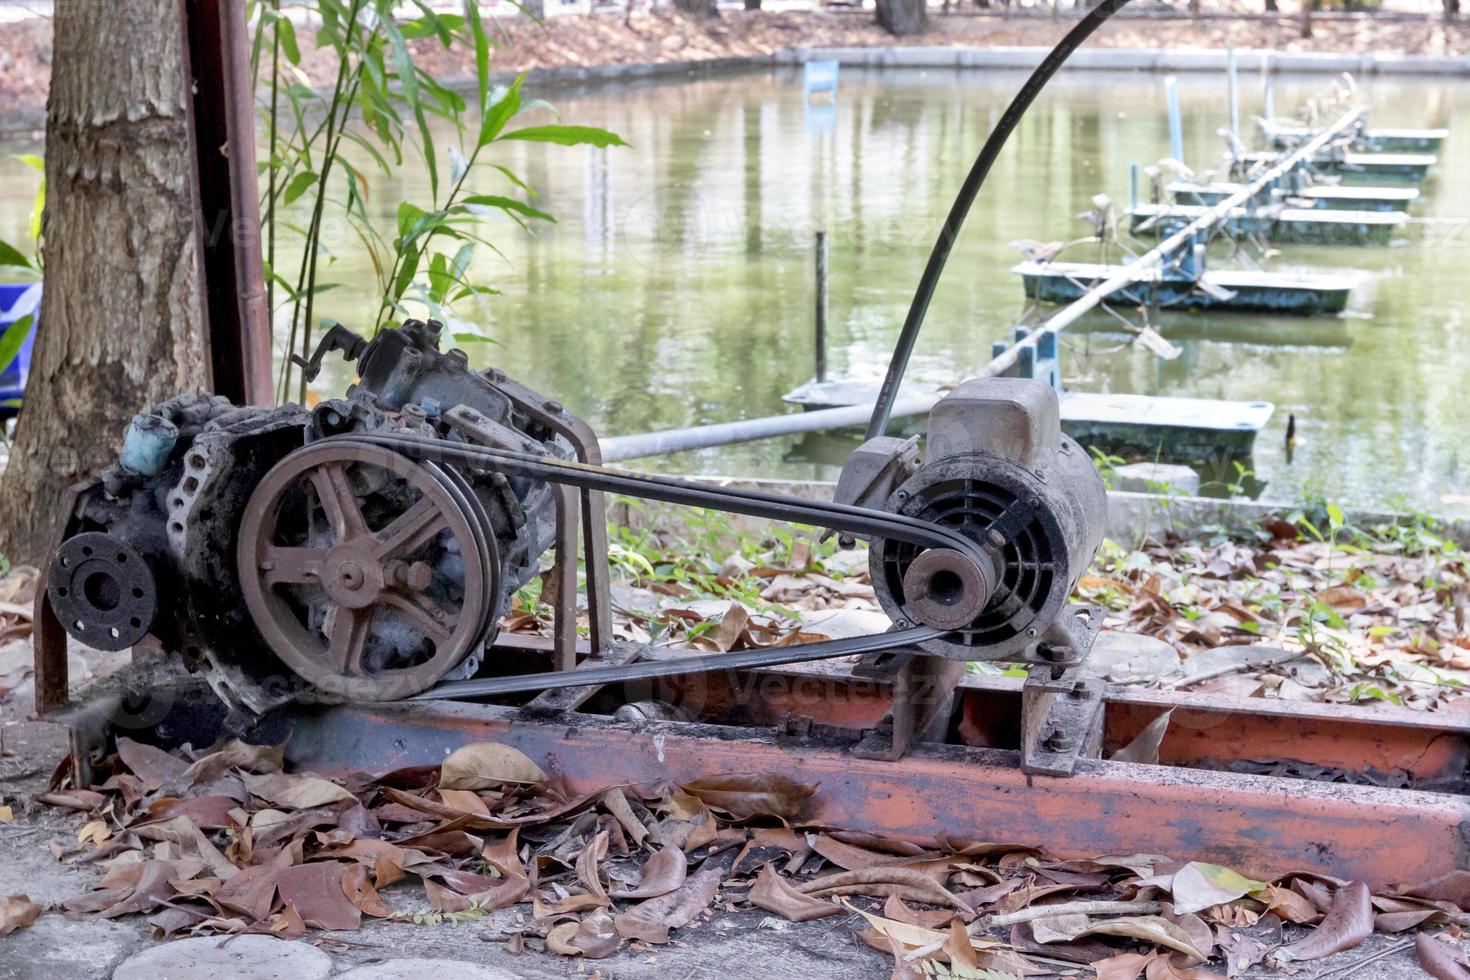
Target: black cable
<point>1084,28</point>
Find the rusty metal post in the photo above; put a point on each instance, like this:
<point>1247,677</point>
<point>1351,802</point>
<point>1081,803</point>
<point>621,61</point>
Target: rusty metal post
<point>227,212</point>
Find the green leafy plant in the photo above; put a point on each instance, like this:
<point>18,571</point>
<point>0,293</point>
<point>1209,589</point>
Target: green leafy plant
<point>380,107</point>
<point>25,262</point>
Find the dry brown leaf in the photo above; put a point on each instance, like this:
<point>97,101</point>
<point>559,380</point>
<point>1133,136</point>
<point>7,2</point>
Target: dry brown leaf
<point>1442,959</point>
<point>744,795</point>
<point>95,832</point>
<point>298,792</point>
<point>596,936</point>
<point>1145,745</point>
<point>616,802</point>
<point>84,800</point>
<point>503,855</point>
<point>1164,967</point>
<point>1150,928</point>
<point>957,947</point>
<point>17,912</point>
<point>883,881</point>
<point>488,765</point>
<point>775,894</point>
<point>559,938</point>
<point>236,755</point>
<point>1124,966</point>
<point>1289,905</point>
<point>587,867</point>
<point>662,873</point>
<point>1348,922</point>
<point>464,801</point>
<point>316,892</point>
<point>360,892</point>
<point>651,921</point>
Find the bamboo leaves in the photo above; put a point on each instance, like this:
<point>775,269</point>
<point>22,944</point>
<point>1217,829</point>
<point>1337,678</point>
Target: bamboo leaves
<point>381,107</point>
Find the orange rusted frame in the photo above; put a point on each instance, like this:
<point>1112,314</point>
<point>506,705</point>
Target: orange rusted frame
<point>1258,824</point>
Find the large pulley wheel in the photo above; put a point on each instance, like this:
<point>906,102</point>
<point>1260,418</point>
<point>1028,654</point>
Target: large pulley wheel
<point>368,574</point>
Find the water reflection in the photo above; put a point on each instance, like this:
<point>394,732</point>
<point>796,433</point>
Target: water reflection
<point>676,286</point>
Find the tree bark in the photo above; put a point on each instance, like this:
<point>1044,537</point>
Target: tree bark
<point>1307,18</point>
<point>1271,7</point>
<point>1451,9</point>
<point>121,324</point>
<point>903,17</point>
<point>698,8</point>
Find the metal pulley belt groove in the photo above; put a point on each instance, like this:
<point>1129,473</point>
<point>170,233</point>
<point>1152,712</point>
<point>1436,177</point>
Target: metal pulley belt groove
<point>863,521</point>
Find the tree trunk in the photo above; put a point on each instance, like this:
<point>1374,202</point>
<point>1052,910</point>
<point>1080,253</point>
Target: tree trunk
<point>699,8</point>
<point>1307,17</point>
<point>1271,7</point>
<point>121,324</point>
<point>752,4</point>
<point>902,17</point>
<point>1451,9</point>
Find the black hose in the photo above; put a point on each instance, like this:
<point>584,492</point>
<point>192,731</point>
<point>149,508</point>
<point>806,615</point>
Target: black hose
<point>961,207</point>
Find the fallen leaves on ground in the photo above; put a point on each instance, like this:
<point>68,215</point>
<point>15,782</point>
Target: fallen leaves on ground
<point>17,912</point>
<point>232,842</point>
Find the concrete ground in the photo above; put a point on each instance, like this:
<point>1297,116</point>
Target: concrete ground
<point>731,944</point>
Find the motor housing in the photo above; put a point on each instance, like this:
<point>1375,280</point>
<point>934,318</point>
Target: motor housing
<point>997,468</point>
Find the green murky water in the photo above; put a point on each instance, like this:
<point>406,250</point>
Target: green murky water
<point>676,287</point>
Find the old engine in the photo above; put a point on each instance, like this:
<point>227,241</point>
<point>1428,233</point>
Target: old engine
<point>226,533</point>
<point>370,545</point>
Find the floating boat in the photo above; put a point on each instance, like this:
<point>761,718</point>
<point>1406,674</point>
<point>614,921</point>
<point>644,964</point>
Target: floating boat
<point>1330,197</point>
<point>1286,135</point>
<point>1362,167</point>
<point>1166,428</point>
<point>1298,226</point>
<point>1297,293</point>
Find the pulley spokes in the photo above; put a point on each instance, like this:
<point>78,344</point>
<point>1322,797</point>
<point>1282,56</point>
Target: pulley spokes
<point>368,574</point>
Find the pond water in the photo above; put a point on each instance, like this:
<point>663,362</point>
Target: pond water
<point>676,287</point>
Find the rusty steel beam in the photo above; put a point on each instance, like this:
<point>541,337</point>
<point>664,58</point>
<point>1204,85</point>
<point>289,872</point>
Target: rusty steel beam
<point>227,208</point>
<point>1260,825</point>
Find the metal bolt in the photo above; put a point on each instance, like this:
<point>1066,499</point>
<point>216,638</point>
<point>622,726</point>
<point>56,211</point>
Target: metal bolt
<point>902,495</point>
<point>1059,740</point>
<point>1055,651</point>
<point>553,407</point>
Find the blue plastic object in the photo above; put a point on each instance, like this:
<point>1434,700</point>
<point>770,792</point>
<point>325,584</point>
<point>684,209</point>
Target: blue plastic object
<point>819,76</point>
<point>149,440</point>
<point>17,300</point>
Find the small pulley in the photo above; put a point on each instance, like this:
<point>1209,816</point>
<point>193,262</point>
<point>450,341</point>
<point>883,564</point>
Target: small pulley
<point>103,591</point>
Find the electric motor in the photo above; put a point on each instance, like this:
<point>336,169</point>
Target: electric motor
<point>998,469</point>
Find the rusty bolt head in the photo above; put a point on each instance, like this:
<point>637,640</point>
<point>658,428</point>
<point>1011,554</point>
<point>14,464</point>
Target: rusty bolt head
<point>1060,741</point>
<point>1056,651</point>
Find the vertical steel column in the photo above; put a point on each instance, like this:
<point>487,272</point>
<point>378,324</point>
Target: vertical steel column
<point>227,216</point>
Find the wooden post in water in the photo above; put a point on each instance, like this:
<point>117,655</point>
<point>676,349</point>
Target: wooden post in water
<point>821,310</point>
